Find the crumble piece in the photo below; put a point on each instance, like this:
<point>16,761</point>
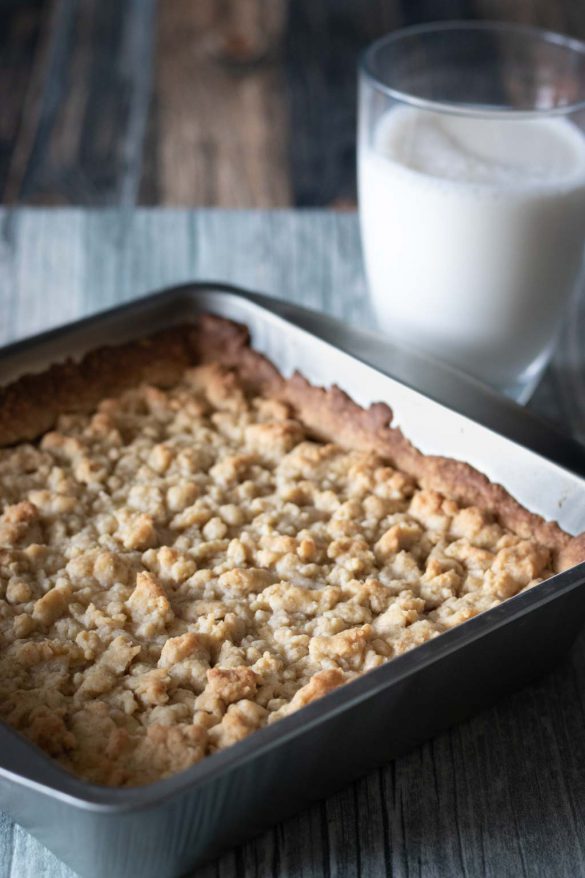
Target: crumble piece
<point>186,561</point>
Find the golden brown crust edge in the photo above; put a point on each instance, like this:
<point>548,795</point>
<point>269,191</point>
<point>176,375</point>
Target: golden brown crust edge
<point>31,405</point>
<point>334,416</point>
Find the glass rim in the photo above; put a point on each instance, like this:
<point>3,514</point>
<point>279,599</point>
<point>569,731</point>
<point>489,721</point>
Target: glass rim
<point>542,34</point>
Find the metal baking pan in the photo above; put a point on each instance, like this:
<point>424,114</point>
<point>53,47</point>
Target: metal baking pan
<point>170,826</point>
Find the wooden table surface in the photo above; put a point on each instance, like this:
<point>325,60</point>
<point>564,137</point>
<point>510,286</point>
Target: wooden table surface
<point>500,795</point>
<point>251,103</point>
<point>233,103</point>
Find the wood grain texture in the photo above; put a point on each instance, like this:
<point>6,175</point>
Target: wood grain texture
<point>322,46</point>
<point>233,103</point>
<point>81,132</point>
<point>20,28</point>
<point>220,101</point>
<point>500,795</point>
<point>566,18</point>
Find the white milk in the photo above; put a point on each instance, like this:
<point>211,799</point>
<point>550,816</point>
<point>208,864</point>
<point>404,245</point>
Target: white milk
<point>473,233</point>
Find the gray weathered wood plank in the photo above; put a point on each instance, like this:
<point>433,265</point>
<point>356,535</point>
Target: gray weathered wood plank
<point>501,795</point>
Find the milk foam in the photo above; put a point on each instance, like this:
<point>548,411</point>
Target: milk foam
<point>482,150</point>
<point>473,233</point>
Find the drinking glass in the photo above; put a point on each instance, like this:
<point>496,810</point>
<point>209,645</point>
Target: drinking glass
<point>471,165</point>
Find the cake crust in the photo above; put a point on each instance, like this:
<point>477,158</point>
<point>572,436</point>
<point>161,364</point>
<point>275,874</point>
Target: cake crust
<point>192,546</point>
<point>31,405</point>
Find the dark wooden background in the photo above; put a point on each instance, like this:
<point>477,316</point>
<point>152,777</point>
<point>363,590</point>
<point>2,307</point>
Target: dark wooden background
<point>234,103</point>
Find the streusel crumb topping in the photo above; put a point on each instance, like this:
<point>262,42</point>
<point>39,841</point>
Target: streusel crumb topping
<point>184,566</point>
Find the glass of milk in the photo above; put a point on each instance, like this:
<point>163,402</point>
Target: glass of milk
<point>471,155</point>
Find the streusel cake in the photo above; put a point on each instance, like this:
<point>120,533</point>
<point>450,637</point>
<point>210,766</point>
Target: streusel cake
<point>185,557</point>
